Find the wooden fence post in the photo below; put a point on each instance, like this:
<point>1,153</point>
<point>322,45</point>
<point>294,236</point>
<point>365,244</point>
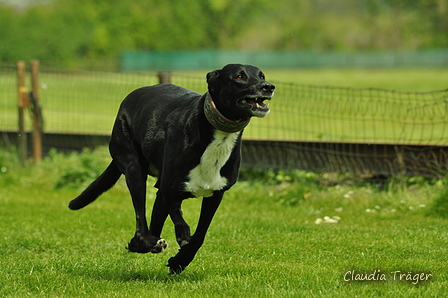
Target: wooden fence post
<point>23,101</point>
<point>37,113</point>
<point>164,77</point>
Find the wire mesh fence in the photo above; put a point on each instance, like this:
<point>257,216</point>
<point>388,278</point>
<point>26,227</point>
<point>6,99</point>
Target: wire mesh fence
<point>86,103</point>
<point>358,115</point>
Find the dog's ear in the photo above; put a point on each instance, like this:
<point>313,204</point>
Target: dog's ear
<point>212,80</point>
<point>211,76</point>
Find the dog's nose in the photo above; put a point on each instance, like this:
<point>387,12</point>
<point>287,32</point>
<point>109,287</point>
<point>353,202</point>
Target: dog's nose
<point>267,87</point>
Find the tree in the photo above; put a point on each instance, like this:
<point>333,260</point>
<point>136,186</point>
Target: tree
<point>65,33</point>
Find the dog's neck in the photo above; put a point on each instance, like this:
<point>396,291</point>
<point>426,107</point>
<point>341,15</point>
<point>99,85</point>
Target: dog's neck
<point>218,120</point>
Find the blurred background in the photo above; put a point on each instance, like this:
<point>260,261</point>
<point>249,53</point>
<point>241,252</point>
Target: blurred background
<point>92,53</point>
<point>99,34</point>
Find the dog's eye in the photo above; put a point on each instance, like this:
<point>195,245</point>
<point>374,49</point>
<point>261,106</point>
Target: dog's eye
<point>241,76</point>
<point>262,76</point>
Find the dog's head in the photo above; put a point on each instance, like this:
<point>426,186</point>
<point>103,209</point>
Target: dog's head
<point>240,91</point>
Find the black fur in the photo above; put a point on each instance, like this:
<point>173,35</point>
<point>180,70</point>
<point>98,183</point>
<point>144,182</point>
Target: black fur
<point>162,131</point>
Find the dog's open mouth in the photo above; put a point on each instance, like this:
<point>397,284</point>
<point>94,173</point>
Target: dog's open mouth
<point>259,105</point>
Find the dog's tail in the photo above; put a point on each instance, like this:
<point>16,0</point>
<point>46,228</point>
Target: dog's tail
<point>103,183</point>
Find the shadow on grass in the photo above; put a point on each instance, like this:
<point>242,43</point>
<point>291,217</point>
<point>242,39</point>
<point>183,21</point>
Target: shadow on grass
<point>159,276</point>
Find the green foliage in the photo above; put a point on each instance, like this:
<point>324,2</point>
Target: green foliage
<point>65,33</point>
<point>57,170</point>
<point>9,164</point>
<point>288,187</point>
<point>78,169</point>
<point>439,206</point>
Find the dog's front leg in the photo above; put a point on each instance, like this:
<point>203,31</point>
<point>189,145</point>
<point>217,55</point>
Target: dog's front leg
<point>186,254</point>
<point>180,225</point>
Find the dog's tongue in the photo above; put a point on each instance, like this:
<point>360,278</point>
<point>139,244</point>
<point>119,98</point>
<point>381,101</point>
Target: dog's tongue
<point>262,105</point>
<point>255,103</point>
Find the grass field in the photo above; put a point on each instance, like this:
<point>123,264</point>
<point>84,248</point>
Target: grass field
<point>263,242</point>
<point>87,102</point>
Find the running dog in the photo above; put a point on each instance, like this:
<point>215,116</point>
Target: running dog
<point>191,143</point>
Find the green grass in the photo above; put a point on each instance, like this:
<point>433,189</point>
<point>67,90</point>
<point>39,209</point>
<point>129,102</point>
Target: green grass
<point>84,102</point>
<point>87,102</point>
<point>263,242</point>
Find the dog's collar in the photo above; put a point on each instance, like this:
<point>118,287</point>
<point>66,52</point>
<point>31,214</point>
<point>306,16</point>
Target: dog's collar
<point>218,120</point>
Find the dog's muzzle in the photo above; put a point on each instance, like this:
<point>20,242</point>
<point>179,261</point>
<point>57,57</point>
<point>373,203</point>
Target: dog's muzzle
<point>258,104</point>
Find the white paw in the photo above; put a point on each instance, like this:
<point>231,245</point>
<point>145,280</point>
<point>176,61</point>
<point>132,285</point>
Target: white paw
<point>160,246</point>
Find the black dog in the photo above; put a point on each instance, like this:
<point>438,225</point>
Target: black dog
<point>191,143</point>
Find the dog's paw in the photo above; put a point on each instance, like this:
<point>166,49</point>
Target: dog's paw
<point>160,246</point>
<point>147,244</point>
<point>137,244</point>
<point>174,267</point>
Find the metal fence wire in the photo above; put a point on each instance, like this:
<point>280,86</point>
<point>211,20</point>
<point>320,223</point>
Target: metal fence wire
<point>303,112</point>
<point>376,131</point>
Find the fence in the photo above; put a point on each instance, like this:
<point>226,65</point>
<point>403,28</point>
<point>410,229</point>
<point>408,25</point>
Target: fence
<point>211,59</point>
<point>366,131</point>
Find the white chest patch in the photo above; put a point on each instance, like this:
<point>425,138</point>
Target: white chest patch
<point>206,177</point>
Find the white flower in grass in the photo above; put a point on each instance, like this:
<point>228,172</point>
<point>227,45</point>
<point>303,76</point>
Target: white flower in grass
<point>328,219</point>
<point>368,210</point>
<point>349,193</point>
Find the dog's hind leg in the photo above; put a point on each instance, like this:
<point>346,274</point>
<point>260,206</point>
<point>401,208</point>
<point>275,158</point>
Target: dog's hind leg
<point>186,254</point>
<point>159,214</point>
<point>180,225</point>
<point>142,241</point>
